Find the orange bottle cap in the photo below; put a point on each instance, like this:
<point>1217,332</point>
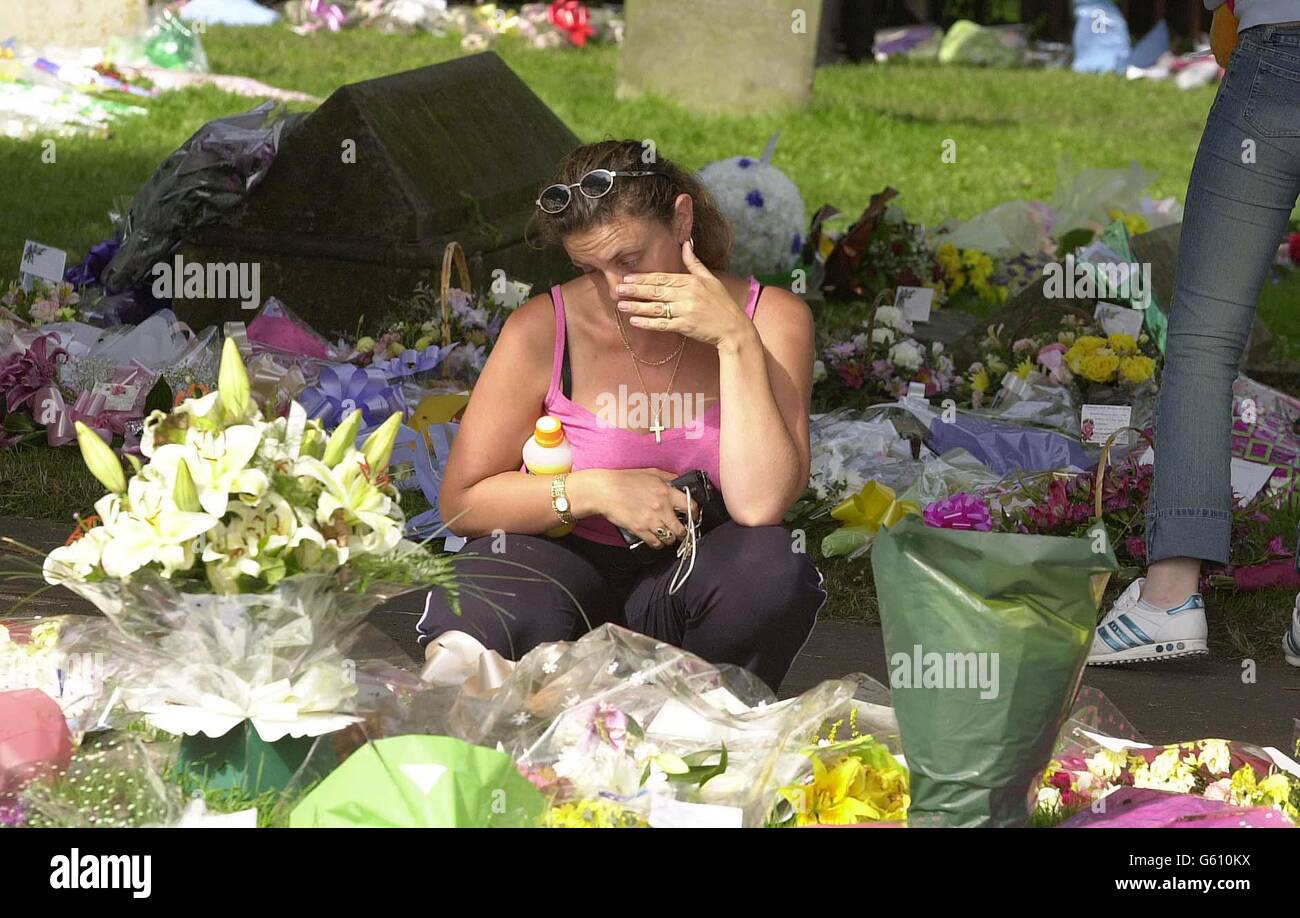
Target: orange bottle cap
<point>549,431</point>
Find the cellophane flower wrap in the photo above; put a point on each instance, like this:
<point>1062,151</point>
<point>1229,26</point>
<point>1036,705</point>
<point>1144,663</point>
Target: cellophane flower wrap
<point>236,563</point>
<point>606,724</point>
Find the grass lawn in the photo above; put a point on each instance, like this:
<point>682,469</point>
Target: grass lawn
<point>868,127</point>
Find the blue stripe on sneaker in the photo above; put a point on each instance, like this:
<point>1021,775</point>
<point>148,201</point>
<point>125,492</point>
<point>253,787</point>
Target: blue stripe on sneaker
<point>1122,636</point>
<point>1293,644</point>
<point>1138,632</point>
<point>1193,602</point>
<point>1110,641</point>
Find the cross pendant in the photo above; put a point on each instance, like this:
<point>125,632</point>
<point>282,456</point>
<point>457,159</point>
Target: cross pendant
<point>657,429</point>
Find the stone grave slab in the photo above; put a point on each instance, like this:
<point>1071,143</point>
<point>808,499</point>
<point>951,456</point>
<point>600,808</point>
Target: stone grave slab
<point>721,57</point>
<point>367,191</point>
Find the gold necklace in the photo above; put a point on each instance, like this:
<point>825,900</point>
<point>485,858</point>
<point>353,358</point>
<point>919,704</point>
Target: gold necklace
<point>656,427</point>
<point>622,333</point>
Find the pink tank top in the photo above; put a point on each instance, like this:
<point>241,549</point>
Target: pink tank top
<point>597,444</point>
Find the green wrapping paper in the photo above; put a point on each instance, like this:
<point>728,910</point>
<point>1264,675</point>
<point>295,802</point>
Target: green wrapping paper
<point>422,782</point>
<point>986,636</point>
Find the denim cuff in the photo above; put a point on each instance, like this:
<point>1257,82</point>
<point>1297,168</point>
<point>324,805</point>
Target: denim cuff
<point>1191,532</point>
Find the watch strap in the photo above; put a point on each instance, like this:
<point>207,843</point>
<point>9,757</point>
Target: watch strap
<point>557,492</point>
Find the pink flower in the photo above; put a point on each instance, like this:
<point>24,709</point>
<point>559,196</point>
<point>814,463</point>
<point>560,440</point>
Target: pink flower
<point>1276,547</point>
<point>607,725</point>
<point>1022,345</point>
<point>1052,359</point>
<point>1136,547</point>
<point>1220,790</point>
<point>44,310</point>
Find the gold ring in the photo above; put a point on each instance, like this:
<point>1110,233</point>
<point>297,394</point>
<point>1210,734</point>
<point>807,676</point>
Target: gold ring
<point>664,534</point>
<point>668,310</point>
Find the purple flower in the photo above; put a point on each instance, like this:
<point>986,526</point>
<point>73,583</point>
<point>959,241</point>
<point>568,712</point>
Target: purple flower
<point>1136,547</point>
<point>796,244</point>
<point>24,374</point>
<point>754,198</point>
<point>744,162</point>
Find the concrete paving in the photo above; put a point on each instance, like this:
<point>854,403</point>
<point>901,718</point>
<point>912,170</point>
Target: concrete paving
<point>1167,702</point>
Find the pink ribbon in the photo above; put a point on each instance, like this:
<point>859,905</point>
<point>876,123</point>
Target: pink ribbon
<point>59,420</point>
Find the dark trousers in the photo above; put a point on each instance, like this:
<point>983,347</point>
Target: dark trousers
<point>751,599</point>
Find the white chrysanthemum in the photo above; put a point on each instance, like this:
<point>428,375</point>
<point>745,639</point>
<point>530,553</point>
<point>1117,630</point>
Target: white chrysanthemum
<point>1216,757</point>
<point>907,355</point>
<point>766,213</point>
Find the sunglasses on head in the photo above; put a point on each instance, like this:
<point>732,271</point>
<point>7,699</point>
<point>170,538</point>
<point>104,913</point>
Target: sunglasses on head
<point>595,184</point>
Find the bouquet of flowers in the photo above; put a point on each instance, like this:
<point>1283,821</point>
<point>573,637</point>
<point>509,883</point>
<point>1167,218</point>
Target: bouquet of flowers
<point>239,557</point>
<point>1063,505</point>
<point>970,277</point>
<point>1077,354</point>
<point>45,302</point>
<point>853,781</point>
<point>881,250</point>
<point>1228,772</point>
<point>877,363</point>
<point>415,324</point>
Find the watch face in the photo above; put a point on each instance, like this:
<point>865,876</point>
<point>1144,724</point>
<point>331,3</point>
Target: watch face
<point>562,504</point>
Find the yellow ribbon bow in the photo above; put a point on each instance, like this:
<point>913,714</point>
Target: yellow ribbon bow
<point>876,505</point>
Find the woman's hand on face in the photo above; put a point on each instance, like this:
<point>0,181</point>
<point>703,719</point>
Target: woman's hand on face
<point>641,501</point>
<point>696,304</point>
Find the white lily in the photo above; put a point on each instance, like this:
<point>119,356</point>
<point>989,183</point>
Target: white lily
<point>151,530</point>
<point>349,491</point>
<point>218,463</point>
<point>77,560</point>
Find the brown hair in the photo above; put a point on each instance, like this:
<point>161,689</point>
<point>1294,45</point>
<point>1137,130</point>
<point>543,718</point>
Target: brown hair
<point>650,197</point>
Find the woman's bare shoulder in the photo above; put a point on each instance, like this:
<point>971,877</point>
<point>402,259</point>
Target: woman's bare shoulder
<point>780,310</point>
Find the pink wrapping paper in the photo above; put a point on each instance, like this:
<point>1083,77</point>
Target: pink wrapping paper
<point>1142,808</point>
<point>33,738</point>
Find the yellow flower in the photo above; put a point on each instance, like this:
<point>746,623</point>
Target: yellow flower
<point>979,381</point>
<point>1024,368</point>
<point>1137,369</point>
<point>1099,366</point>
<point>1122,344</point>
<point>592,814</point>
<point>1089,343</point>
<point>1134,222</point>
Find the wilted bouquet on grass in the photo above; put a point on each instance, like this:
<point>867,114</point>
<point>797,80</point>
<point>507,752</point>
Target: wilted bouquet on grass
<point>880,361</point>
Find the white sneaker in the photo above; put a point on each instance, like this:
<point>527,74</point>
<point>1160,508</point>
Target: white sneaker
<point>1132,631</point>
<point>1291,640</point>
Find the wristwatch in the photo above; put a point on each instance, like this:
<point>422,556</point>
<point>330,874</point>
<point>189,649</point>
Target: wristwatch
<point>560,500</point>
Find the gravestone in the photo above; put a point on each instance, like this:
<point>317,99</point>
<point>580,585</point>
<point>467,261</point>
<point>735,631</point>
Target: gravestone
<point>723,57</point>
<point>366,192</point>
<point>71,23</point>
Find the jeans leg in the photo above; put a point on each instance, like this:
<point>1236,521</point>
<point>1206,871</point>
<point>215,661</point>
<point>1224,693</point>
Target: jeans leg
<point>1243,187</point>
<point>751,600</point>
<point>535,591</point>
